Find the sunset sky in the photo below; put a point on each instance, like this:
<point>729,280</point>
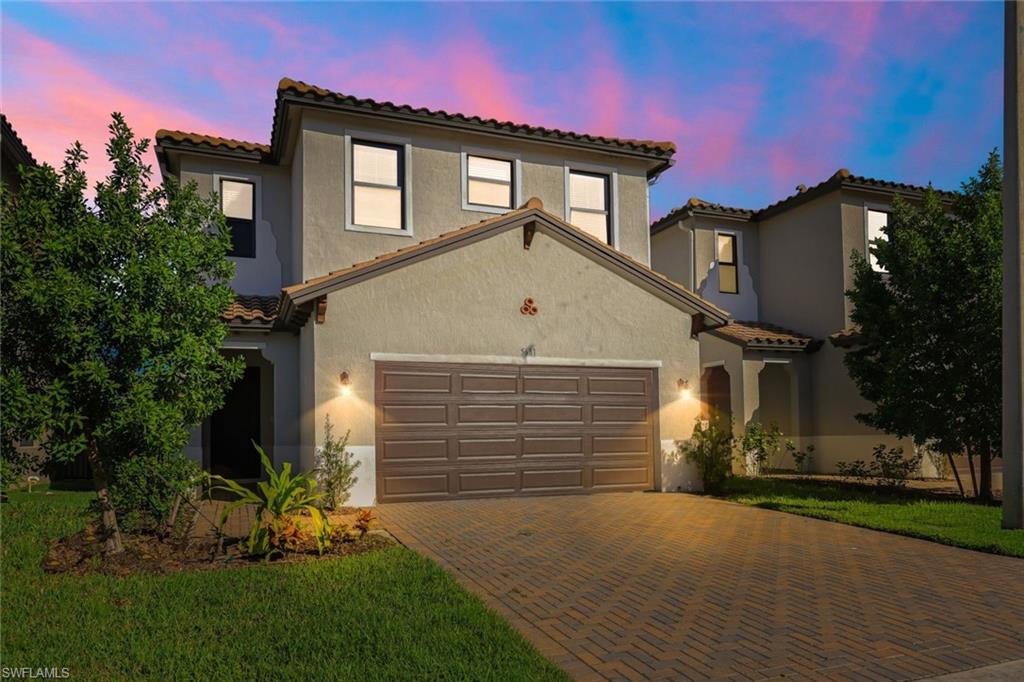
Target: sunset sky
<point>759,97</point>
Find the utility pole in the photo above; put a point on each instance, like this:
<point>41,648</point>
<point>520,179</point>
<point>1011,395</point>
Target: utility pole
<point>1013,262</point>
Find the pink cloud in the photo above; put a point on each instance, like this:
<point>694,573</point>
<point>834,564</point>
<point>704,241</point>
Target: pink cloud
<point>712,132</point>
<point>464,75</point>
<point>849,27</point>
<point>481,83</point>
<point>55,99</point>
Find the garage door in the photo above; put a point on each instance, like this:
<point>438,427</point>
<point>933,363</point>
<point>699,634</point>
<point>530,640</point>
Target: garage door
<point>457,431</point>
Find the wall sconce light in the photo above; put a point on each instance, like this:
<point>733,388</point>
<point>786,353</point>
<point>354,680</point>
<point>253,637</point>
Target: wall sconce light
<point>684,389</point>
<point>346,389</point>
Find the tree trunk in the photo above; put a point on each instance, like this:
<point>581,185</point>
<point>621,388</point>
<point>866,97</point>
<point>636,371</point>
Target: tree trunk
<point>108,514</point>
<point>974,478</point>
<point>985,489</point>
<point>956,474</point>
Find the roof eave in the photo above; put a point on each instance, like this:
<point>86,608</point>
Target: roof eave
<point>249,156</point>
<point>286,99</point>
<point>14,144</point>
<point>238,325</point>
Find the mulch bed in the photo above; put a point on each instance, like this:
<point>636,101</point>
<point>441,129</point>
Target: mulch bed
<point>82,553</point>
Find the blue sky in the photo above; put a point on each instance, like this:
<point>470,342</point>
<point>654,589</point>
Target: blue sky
<point>759,97</point>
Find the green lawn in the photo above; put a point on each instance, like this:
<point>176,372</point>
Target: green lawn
<point>386,615</point>
<point>952,523</point>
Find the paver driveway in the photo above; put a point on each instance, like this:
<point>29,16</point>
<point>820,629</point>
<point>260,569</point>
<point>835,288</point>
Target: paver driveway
<point>642,585</point>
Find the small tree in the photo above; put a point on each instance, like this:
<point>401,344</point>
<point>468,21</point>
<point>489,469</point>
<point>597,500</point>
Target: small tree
<point>111,322</point>
<point>931,322</point>
<point>335,468</point>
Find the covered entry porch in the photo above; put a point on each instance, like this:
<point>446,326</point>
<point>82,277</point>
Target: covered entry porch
<point>757,372</point>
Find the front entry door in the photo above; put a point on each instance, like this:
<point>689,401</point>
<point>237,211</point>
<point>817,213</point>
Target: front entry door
<point>235,427</point>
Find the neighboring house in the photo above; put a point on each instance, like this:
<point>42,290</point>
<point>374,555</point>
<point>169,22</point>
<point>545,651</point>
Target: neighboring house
<point>472,298</point>
<point>13,153</point>
<point>782,273</point>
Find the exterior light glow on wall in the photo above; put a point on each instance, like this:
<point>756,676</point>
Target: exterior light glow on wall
<point>684,389</point>
<point>346,388</point>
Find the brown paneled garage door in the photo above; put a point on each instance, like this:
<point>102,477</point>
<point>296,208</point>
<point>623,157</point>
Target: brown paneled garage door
<point>461,430</point>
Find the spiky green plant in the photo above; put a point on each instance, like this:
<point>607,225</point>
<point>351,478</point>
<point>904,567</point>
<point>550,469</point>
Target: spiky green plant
<point>278,500</point>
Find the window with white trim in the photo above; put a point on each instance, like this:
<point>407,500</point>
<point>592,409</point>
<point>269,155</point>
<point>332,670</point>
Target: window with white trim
<point>877,221</point>
<point>590,203</point>
<point>489,181</point>
<point>378,185</point>
<point>238,203</point>
<point>728,280</point>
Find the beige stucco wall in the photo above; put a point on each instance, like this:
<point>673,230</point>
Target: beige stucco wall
<point>271,268</point>
<point>672,252</point>
<point>436,187</point>
<point>685,252</point>
<point>467,302</point>
<point>744,304</point>
<point>837,435</point>
<point>801,271</point>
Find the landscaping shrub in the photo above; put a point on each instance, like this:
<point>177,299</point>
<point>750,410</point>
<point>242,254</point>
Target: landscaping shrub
<point>890,468</point>
<point>760,446</point>
<point>279,501</point>
<point>710,449</point>
<point>801,458</point>
<point>143,489</point>
<point>856,470</point>
<point>334,468</point>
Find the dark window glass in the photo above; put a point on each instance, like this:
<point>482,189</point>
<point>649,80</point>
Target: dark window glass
<point>238,202</point>
<point>728,281</point>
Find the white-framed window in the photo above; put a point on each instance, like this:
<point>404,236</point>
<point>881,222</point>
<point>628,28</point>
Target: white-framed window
<point>590,201</point>
<point>490,180</point>
<point>377,184</point>
<point>875,220</point>
<point>238,196</point>
<point>727,257</point>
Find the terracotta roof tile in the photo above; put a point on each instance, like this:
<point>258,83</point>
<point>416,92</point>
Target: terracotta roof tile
<point>765,335</point>
<point>249,308</point>
<point>841,178</point>
<point>288,85</point>
<point>210,141</point>
<point>698,205</point>
<point>846,338</point>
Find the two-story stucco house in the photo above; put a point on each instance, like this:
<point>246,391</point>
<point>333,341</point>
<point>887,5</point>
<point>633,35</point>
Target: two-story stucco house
<point>471,298</point>
<point>782,272</point>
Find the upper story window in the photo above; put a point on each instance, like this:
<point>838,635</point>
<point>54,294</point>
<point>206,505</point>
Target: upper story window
<point>238,203</point>
<point>378,185</point>
<point>590,204</point>
<point>728,281</point>
<point>489,181</point>
<point>876,222</point>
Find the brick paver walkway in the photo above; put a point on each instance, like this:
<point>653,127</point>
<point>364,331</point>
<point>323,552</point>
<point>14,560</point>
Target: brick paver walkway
<point>650,586</point>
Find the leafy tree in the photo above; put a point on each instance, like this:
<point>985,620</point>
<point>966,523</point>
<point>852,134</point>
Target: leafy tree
<point>931,323</point>
<point>110,325</point>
